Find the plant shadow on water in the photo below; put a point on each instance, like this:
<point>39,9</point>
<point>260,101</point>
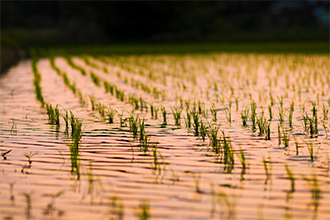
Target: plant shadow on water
<point>193,127</point>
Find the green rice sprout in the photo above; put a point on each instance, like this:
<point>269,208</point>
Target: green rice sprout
<point>215,143</point>
<point>285,138</point>
<point>73,65</point>
<point>228,112</point>
<point>213,112</point>
<point>156,112</point>
<point>270,112</point>
<point>145,144</point>
<point>281,114</point>
<point>203,130</point>
<point>133,125</point>
<point>188,119</point>
<point>262,122</point>
<point>290,116</point>
<point>142,133</point>
<point>325,110</point>
<point>95,78</point>
<point>291,177</point>
<point>92,99</point>
<point>152,110</point>
<point>325,128</point>
<point>280,99</point>
<point>253,115</point>
<point>305,120</point>
<point>245,115</point>
<point>163,110</point>
<point>267,131</point>
<point>111,114</point>
<point>196,122</point>
<point>144,210</point>
<point>271,99</point>
<point>296,145</point>
<point>177,115</point>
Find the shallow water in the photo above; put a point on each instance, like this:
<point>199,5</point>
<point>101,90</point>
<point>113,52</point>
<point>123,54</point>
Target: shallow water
<point>113,165</point>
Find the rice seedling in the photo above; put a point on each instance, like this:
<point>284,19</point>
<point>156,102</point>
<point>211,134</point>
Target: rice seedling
<point>74,145</point>
<point>177,115</point>
<point>285,138</point>
<point>95,78</point>
<point>271,99</point>
<point>228,112</point>
<point>152,110</point>
<point>133,125</point>
<point>325,128</point>
<point>262,123</point>
<point>253,115</point>
<point>156,109</point>
<point>270,112</point>
<point>116,208</point>
<point>66,120</point>
<point>290,116</point>
<point>244,115</point>
<point>291,177</point>
<point>312,128</point>
<point>213,112</point>
<point>142,133</point>
<point>315,117</point>
<point>52,63</point>
<point>236,101</point>
<point>267,131</point>
<point>111,114</point>
<point>305,120</point>
<point>280,99</point>
<point>281,114</point>
<point>203,130</point>
<point>196,122</point>
<point>325,112</point>
<point>315,190</point>
<point>92,100</point>
<point>296,145</point>
<point>188,119</point>
<point>145,144</point>
<point>144,210</point>
<point>164,115</point>
<point>74,66</point>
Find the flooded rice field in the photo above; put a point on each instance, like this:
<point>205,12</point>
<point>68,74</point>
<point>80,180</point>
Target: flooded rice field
<point>208,136</point>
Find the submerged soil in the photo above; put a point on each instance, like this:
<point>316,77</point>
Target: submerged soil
<point>190,182</point>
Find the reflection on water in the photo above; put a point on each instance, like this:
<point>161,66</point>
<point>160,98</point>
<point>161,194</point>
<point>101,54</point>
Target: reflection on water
<point>229,136</point>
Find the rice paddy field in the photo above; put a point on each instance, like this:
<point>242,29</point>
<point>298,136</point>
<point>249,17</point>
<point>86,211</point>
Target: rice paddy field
<point>210,135</point>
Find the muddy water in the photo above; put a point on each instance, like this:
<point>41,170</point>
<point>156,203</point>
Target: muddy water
<point>112,164</point>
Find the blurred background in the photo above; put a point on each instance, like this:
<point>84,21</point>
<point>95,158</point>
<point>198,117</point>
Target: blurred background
<point>50,23</point>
